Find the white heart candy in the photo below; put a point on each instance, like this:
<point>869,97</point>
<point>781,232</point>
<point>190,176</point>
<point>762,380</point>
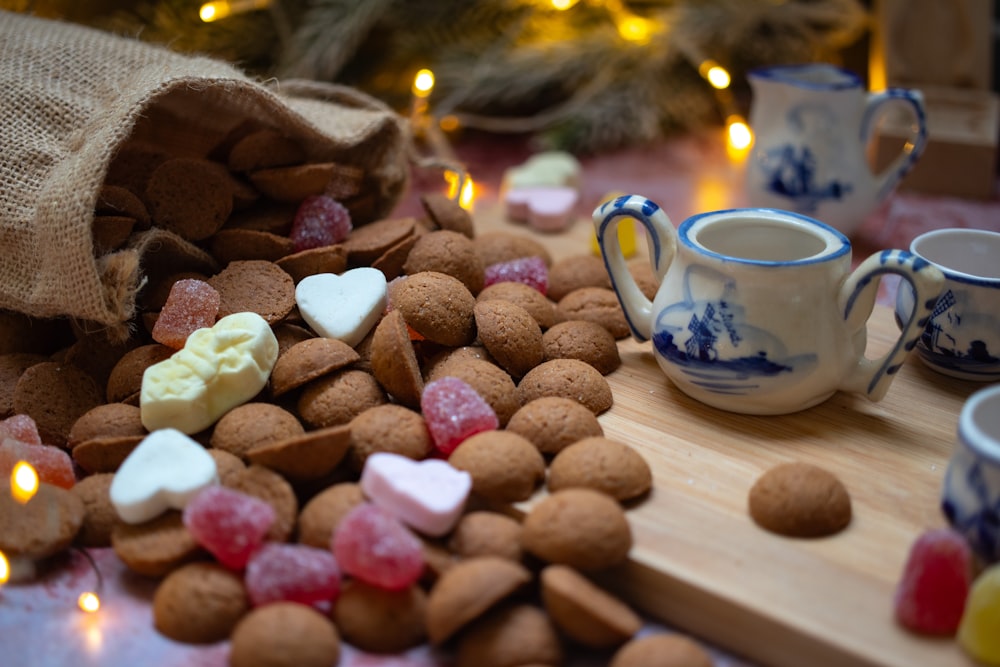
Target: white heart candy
<point>428,495</point>
<point>164,472</point>
<point>345,307</point>
<point>546,208</point>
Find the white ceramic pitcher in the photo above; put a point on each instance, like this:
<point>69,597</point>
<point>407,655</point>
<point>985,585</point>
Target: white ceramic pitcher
<point>812,126</point>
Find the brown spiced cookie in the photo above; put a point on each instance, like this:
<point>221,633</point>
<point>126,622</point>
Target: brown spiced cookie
<point>114,200</point>
<point>307,456</point>
<point>446,213</point>
<point>596,304</point>
<point>490,381</point>
<point>552,423</point>
<point>499,246</point>
<point>388,428</point>
<point>339,397</point>
<point>438,307</point>
<point>456,355</point>
<point>603,465</point>
<point>99,515</point>
<point>662,650</point>
<point>467,589</point>
<point>569,378</point>
<point>262,149</point>
<point>447,252</point>
<point>394,362</point>
<point>519,634</point>
<point>272,488</point>
<point>582,528</point>
<point>484,533</point>
<point>544,310</point>
<point>105,454</point>
<point>326,259</point>
<point>125,380</point>
<point>585,612</point>
<point>45,525</point>
<point>644,276</point>
<point>252,425</point>
<point>12,366</point>
<point>307,360</point>
<point>254,286</point>
<point>284,633</point>
<point>199,603</point>
<point>293,183</point>
<point>800,500</point>
<point>504,466</point>
<point>234,245</point>
<point>55,396</point>
<point>227,466</point>
<point>155,547</point>
<point>583,340</point>
<point>381,621</point>
<point>110,232</point>
<point>510,334</point>
<point>107,420</point>
<point>391,262</point>
<point>367,243</point>
<point>320,516</point>
<point>190,197</point>
<point>574,272</point>
<point>274,217</point>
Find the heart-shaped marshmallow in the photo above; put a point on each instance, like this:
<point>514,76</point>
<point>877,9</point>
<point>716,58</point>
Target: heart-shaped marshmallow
<point>164,472</point>
<point>546,208</point>
<point>428,495</point>
<point>555,168</point>
<point>345,307</point>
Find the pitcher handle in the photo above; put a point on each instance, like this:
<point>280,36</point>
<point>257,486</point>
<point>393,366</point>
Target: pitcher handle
<point>872,377</point>
<point>663,244</point>
<point>878,103</point>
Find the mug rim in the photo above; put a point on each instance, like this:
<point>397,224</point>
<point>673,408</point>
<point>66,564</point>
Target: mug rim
<point>975,438</point>
<point>829,253</point>
<point>949,272</point>
<point>780,73</point>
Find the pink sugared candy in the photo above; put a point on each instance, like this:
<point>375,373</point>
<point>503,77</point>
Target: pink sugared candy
<point>230,524</point>
<point>192,304</point>
<point>375,547</point>
<point>320,221</point>
<point>930,597</point>
<point>547,208</point>
<point>52,464</point>
<point>22,428</point>
<point>453,411</point>
<point>292,573</point>
<point>531,271</point>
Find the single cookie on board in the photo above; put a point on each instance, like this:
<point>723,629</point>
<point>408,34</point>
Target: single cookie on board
<point>584,611</point>
<point>574,272</point>
<point>199,603</point>
<point>517,634</point>
<point>284,633</point>
<point>255,286</point>
<point>505,467</point>
<point>500,246</point>
<point>388,428</point>
<point>467,589</point>
<point>601,464</point>
<point>41,527</point>
<point>582,528</point>
<point>596,304</point>
<point>569,378</point>
<point>252,425</point>
<point>447,252</point>
<point>800,500</point>
<point>339,397</point>
<point>446,213</point>
<point>307,360</point>
<point>438,307</point>
<point>544,310</point>
<point>99,515</point>
<point>662,650</point>
<point>583,340</point>
<point>510,334</point>
<point>394,362</point>
<point>155,547</point>
<point>553,423</point>
<point>321,515</point>
<point>381,621</point>
<point>55,395</point>
<point>484,533</point>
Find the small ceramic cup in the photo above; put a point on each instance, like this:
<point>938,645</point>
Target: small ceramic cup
<point>962,336</point>
<point>970,496</point>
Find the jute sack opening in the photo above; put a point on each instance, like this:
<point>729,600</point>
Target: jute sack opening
<point>71,96</point>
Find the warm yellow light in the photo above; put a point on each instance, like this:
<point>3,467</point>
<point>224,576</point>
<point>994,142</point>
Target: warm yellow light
<point>738,133</point>
<point>23,482</point>
<point>635,28</point>
<point>89,602</point>
<point>718,77</point>
<point>4,569</point>
<point>468,195</point>
<point>449,123</point>
<point>423,83</point>
<point>563,5</point>
<point>213,11</point>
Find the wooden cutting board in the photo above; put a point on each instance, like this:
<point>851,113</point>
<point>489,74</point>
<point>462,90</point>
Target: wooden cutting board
<point>700,563</point>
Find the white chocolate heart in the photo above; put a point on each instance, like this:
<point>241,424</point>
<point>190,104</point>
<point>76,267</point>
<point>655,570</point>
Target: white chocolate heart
<point>217,369</point>
<point>164,472</point>
<point>345,307</point>
<point>546,208</point>
<point>428,495</point>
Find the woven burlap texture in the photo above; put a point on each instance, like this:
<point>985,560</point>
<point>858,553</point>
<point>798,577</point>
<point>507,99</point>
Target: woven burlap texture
<point>71,95</point>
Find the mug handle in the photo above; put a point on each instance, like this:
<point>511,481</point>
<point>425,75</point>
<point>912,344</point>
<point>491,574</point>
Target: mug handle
<point>876,105</point>
<point>872,377</point>
<point>663,244</point>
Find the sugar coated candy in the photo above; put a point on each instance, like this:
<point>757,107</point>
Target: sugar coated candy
<point>292,573</point>
<point>375,547</point>
<point>979,631</point>
<point>531,271</point>
<point>454,411</point>
<point>320,221</point>
<point>230,524</point>
<point>931,595</point>
<point>191,305</point>
<point>51,464</point>
<point>22,428</point>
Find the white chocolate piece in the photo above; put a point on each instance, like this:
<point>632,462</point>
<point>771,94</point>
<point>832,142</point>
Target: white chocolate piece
<point>218,369</point>
<point>546,208</point>
<point>164,472</point>
<point>549,168</point>
<point>344,307</point>
<point>429,495</point>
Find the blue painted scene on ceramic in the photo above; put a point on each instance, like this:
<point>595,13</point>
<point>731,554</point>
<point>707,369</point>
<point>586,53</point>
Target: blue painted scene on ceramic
<point>978,520</point>
<point>791,173</point>
<point>941,348</point>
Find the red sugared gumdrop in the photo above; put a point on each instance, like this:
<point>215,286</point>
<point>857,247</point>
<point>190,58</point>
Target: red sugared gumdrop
<point>292,573</point>
<point>453,411</point>
<point>52,464</point>
<point>22,428</point>
<point>531,271</point>
<point>931,595</point>
<point>231,525</point>
<point>375,547</point>
<point>192,304</point>
<point>320,221</point>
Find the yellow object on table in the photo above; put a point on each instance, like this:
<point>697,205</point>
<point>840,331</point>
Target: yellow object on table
<point>626,230</point>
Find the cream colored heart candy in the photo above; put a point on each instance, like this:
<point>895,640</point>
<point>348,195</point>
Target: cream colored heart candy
<point>344,307</point>
<point>218,369</point>
<point>164,472</point>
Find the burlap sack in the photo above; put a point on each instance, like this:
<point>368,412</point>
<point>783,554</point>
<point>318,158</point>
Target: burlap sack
<point>70,96</point>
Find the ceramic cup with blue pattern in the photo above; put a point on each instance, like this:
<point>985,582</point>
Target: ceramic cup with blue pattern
<point>970,495</point>
<point>962,337</point>
<point>758,310</point>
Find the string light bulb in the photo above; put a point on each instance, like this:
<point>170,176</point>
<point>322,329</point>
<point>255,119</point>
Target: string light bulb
<point>88,602</point>
<point>715,74</point>
<point>4,569</point>
<point>563,5</point>
<point>423,83</point>
<point>23,482</point>
<point>220,9</point>
<point>739,136</point>
<point>462,189</point>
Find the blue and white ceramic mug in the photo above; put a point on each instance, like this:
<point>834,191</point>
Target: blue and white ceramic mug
<point>970,495</point>
<point>962,337</point>
<point>758,310</point>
